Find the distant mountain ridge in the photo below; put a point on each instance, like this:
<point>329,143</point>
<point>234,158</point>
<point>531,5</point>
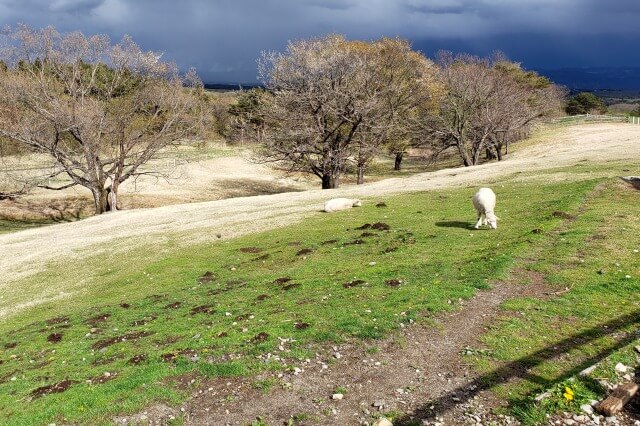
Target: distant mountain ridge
<point>595,78</point>
<point>576,79</point>
<point>225,87</point>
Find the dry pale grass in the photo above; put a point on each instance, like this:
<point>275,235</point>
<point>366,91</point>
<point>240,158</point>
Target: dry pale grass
<point>28,252</point>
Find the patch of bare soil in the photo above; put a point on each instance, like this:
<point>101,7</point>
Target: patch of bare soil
<point>53,388</point>
<point>418,371</point>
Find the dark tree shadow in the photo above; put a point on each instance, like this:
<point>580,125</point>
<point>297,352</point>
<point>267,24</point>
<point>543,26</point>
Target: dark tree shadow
<point>455,224</point>
<point>27,212</point>
<point>521,368</point>
<point>249,187</point>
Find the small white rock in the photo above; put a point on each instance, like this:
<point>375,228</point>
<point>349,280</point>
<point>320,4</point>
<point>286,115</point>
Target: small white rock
<point>621,368</point>
<point>587,408</point>
<point>337,396</point>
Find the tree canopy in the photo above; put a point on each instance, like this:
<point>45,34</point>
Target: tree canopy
<point>100,110</point>
<point>585,103</point>
<point>334,101</point>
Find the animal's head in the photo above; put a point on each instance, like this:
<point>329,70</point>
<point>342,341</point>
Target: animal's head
<point>492,220</point>
<point>357,203</point>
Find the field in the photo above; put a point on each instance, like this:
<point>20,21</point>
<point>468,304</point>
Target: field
<point>258,309</point>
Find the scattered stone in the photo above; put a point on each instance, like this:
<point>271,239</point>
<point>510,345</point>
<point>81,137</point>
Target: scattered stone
<point>381,204</point>
<point>587,408</point>
<point>337,396</point>
<point>379,403</point>
<point>588,370</point>
<point>382,421</point>
<point>621,368</point>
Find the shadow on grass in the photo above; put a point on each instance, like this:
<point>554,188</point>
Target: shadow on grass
<point>234,188</point>
<point>16,215</point>
<point>520,368</point>
<point>455,224</point>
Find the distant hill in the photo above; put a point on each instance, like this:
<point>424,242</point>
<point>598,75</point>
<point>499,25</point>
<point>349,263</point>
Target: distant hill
<point>600,78</point>
<point>228,87</point>
<point>576,79</point>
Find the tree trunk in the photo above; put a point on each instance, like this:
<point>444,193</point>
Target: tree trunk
<point>330,181</point>
<point>398,162</point>
<point>100,199</point>
<point>489,154</point>
<point>112,201</point>
<point>360,174</point>
<point>499,152</point>
<point>466,160</point>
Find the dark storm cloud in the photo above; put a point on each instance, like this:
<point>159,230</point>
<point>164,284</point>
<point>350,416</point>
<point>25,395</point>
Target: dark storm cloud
<point>223,38</point>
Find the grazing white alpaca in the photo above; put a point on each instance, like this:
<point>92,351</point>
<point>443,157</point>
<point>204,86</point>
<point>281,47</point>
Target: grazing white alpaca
<point>485,202</point>
<point>336,204</point>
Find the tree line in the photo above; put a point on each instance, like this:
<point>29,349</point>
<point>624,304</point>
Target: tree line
<point>100,111</point>
<point>329,102</point>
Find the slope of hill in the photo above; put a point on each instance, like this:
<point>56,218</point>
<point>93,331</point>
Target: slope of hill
<point>235,309</point>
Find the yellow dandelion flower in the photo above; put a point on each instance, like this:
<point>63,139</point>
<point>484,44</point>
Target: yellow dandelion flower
<point>568,393</point>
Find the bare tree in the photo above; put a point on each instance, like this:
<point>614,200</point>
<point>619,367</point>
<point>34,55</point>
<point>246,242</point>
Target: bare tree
<point>487,103</point>
<point>101,111</point>
<point>404,86</point>
<point>335,101</point>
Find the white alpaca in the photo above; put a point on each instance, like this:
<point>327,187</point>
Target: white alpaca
<point>336,204</point>
<point>485,203</point>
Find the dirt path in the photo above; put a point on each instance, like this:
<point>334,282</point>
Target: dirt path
<point>417,371</point>
<point>25,253</point>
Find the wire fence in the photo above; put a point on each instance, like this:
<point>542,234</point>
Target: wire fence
<point>596,118</point>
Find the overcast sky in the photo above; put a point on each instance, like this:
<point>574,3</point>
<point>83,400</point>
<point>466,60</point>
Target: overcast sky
<point>223,38</point>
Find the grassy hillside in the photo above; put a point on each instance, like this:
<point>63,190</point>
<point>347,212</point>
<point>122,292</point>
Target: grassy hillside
<point>213,310</point>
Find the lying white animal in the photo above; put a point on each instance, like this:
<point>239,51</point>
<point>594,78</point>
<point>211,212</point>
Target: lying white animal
<point>485,202</point>
<point>337,204</point>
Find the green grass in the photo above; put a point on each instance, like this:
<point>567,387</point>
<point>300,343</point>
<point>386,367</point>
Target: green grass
<point>227,319</point>
<point>596,257</point>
